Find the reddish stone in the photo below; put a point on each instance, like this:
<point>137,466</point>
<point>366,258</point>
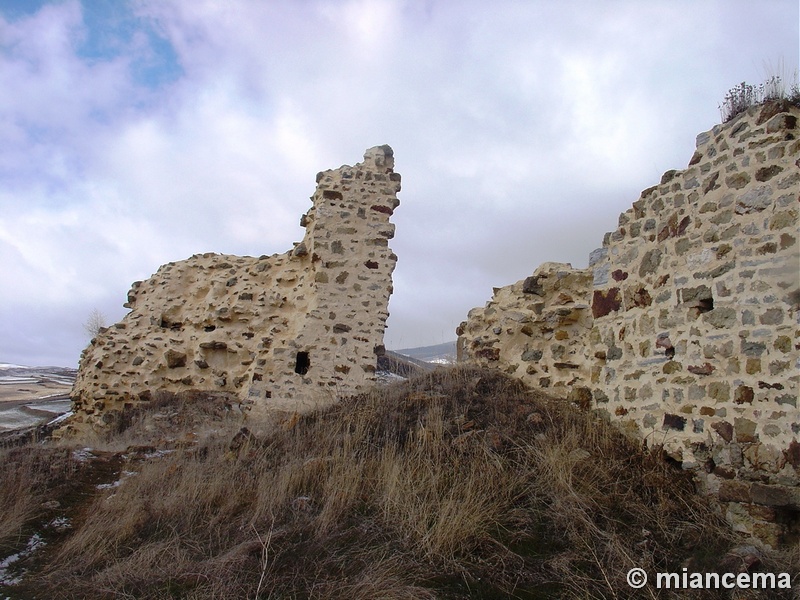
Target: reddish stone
<point>793,454</point>
<point>724,429</point>
<point>704,369</point>
<point>673,228</point>
<point>606,302</point>
<point>619,275</point>
<point>382,209</point>
<point>488,353</point>
<point>734,491</point>
<point>642,297</point>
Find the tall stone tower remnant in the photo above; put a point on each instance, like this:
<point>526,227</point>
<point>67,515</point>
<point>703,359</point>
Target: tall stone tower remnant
<point>290,332</point>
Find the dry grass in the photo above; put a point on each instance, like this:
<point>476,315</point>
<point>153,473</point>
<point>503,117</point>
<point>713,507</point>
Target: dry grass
<point>456,484</point>
<point>27,479</point>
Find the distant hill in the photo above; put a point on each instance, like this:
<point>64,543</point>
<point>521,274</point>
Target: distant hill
<point>440,353</point>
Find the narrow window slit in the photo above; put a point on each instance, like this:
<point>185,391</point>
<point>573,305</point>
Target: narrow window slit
<point>302,363</point>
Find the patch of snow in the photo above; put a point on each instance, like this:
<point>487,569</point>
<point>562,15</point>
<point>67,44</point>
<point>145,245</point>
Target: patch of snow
<point>32,546</point>
<point>386,377</point>
<point>158,453</point>
<point>60,418</point>
<point>123,476</point>
<point>16,379</point>
<point>83,455</point>
<point>108,486</point>
<point>59,524</point>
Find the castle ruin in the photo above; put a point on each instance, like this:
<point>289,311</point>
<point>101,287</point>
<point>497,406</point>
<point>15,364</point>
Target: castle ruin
<point>685,326</point>
<point>290,332</point>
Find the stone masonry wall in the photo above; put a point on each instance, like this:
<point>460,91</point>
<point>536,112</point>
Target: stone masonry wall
<point>685,326</point>
<point>291,331</point>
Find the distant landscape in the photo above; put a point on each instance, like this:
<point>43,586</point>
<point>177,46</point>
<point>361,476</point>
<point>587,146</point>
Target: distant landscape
<point>30,396</point>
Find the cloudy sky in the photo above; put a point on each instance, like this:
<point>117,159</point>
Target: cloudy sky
<point>138,132</point>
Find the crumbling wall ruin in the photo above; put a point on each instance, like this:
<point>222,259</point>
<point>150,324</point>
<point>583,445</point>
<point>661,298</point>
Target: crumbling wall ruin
<point>291,331</point>
<point>685,326</point>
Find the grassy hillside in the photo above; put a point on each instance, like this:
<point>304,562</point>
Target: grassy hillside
<point>459,483</point>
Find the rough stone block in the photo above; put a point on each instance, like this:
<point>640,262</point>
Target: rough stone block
<point>745,430</point>
<point>734,491</point>
<point>175,359</point>
<point>774,495</point>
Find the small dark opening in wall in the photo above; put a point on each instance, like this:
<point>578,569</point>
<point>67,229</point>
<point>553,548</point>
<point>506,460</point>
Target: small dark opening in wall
<point>705,304</point>
<point>302,363</point>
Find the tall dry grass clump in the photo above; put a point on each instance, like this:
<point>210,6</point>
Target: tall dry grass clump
<point>456,484</point>
<point>26,477</point>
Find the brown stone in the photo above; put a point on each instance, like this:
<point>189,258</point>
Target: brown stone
<point>734,491</point>
<point>491,354</point>
<point>753,366</point>
<point>724,429</point>
<point>719,391</point>
<point>673,228</point>
<point>704,369</point>
<point>787,241</point>
<point>641,298</point>
<point>793,454</point>
<point>582,396</point>
<point>781,220</point>
<point>737,181</point>
<point>676,422</point>
<point>774,495</point>
<point>745,430</point>
<point>604,303</point>
<point>175,359</point>
<point>767,173</point>
<point>382,209</point>
<point>743,395</point>
<point>213,345</point>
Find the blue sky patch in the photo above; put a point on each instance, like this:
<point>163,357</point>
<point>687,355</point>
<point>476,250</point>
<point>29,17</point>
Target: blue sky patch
<point>113,30</point>
<point>18,9</point>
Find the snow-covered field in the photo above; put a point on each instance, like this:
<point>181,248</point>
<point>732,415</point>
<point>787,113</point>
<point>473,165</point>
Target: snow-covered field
<point>33,395</point>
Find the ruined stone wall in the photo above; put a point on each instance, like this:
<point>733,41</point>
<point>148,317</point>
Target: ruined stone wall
<point>685,326</point>
<point>291,331</point>
<point>535,329</point>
